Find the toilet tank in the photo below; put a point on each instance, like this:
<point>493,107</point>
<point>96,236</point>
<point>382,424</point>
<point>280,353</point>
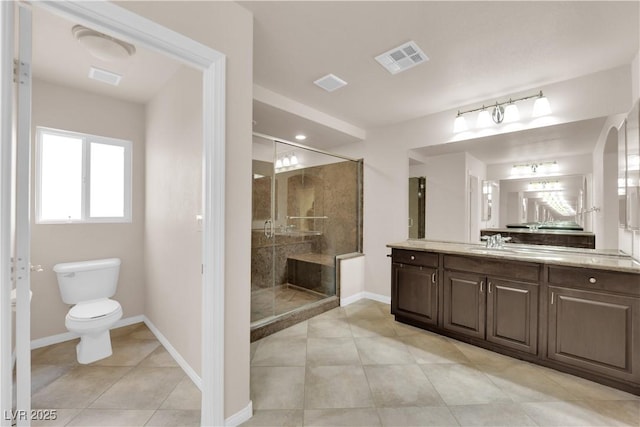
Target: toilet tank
<point>87,280</point>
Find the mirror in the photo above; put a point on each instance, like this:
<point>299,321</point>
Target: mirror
<point>489,193</point>
<point>633,168</point>
<point>417,188</point>
<point>622,175</point>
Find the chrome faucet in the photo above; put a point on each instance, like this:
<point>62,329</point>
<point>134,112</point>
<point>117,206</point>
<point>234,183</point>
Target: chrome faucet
<point>495,241</point>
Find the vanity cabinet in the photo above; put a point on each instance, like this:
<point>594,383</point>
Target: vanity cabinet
<point>414,286</point>
<point>498,310</point>
<point>594,321</point>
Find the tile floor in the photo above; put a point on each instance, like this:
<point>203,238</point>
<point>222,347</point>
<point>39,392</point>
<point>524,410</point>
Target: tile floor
<point>356,366</point>
<point>139,385</point>
<point>275,301</point>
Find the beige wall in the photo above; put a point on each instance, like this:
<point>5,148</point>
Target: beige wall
<point>173,244</point>
<point>75,110</point>
<point>228,28</point>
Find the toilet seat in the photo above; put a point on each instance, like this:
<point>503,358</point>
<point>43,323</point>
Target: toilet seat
<point>93,310</point>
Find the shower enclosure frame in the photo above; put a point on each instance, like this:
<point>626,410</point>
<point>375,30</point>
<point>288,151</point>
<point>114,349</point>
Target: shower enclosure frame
<point>269,224</point>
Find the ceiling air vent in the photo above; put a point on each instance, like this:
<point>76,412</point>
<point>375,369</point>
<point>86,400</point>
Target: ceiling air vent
<point>104,76</point>
<point>402,57</point>
<point>330,82</point>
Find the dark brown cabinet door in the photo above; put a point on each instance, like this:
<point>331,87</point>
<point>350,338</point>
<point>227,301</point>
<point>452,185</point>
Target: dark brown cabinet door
<point>415,292</point>
<point>512,314</point>
<point>464,303</point>
<point>594,331</point>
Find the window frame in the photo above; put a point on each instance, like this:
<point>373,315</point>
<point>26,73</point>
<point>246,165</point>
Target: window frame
<point>87,139</point>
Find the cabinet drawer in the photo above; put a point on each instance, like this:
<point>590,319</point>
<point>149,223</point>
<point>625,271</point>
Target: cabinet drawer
<point>501,268</point>
<point>426,259</point>
<point>587,278</point>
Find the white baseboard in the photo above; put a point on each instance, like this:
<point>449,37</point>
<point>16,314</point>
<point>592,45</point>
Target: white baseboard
<point>174,353</point>
<point>241,416</point>
<point>365,295</point>
<point>68,336</point>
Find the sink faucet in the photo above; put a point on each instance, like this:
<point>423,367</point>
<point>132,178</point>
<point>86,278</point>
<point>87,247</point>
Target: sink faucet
<point>495,241</point>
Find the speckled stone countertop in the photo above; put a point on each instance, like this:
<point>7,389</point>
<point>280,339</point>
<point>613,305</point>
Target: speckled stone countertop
<point>589,258</point>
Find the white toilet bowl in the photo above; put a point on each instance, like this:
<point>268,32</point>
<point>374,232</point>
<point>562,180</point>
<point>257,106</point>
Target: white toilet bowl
<point>89,285</point>
<point>92,321</point>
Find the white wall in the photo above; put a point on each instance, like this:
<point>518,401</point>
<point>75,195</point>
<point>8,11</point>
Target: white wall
<point>79,111</point>
<point>228,28</point>
<point>173,242</point>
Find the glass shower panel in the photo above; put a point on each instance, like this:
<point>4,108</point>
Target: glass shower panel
<point>262,241</point>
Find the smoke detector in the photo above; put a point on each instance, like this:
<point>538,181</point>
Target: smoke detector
<point>330,82</point>
<point>402,58</point>
<point>102,46</point>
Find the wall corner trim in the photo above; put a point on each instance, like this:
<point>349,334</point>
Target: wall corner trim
<point>365,295</point>
<point>241,416</point>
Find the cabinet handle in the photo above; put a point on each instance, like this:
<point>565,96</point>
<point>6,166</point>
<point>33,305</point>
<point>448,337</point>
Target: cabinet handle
<point>481,286</point>
<point>489,287</point>
<point>552,295</point>
<point>592,280</point>
<point>433,277</point>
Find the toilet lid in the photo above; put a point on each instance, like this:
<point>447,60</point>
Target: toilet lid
<point>93,309</point>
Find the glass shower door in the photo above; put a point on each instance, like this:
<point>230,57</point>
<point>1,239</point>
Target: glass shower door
<point>262,235</point>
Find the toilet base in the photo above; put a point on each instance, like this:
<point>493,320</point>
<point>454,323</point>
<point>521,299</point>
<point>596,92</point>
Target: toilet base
<point>93,347</point>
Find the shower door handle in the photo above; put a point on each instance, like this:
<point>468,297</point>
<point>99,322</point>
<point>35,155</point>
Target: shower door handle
<point>268,229</point>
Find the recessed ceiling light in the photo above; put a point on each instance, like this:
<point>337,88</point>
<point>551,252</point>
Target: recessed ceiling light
<point>330,82</point>
<point>402,57</point>
<point>301,137</point>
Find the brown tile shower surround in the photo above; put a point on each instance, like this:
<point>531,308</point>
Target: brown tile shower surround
<point>357,366</point>
<point>139,385</point>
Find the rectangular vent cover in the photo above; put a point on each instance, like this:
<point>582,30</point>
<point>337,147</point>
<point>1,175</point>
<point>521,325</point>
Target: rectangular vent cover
<point>402,57</point>
<point>104,76</point>
<point>330,82</point>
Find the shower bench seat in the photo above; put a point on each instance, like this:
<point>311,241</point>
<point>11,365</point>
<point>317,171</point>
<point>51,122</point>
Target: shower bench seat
<point>312,271</point>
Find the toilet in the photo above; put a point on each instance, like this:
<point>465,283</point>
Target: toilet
<point>89,285</point>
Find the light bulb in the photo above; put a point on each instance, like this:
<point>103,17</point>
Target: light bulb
<point>541,107</point>
<point>511,113</point>
<point>484,119</point>
<point>278,164</point>
<point>459,125</point>
<point>294,160</point>
<point>286,162</point>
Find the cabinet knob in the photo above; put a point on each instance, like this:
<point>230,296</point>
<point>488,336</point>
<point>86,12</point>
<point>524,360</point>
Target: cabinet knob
<point>592,280</point>
<point>413,257</point>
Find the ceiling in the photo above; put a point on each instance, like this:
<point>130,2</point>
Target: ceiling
<point>478,50</point>
<point>570,139</point>
<point>59,58</point>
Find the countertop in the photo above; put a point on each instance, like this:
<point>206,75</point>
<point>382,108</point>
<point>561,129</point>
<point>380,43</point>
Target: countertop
<point>588,258</point>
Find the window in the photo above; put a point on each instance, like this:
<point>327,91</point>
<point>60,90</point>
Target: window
<point>82,178</point>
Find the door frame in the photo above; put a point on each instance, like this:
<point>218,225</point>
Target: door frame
<point>116,21</point>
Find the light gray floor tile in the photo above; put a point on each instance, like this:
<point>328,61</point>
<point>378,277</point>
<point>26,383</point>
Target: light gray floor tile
<point>618,412</point>
<point>490,415</point>
<point>336,387</point>
<point>128,352</point>
<point>185,396</point>
<point>524,382</point>
<point>126,331</point>
<point>431,348</point>
<point>372,327</point>
<point>365,417</point>
<point>328,328</point>
<point>587,390</point>
<point>142,388</point>
<point>281,352</point>
<point>401,385</point>
<point>364,309</point>
<point>275,418</point>
<point>488,361</point>
<point>298,330</point>
<point>335,313</point>
<point>78,387</point>
<point>463,384</point>
<point>383,351</point>
<point>111,417</point>
<point>277,387</point>
<point>574,413</point>
<point>159,358</point>
<point>57,354</point>
<point>43,375</point>
<point>174,418</point>
<point>417,416</point>
<point>332,351</point>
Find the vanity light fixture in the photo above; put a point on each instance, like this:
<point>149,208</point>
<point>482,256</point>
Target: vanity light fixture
<point>500,114</point>
<point>534,168</point>
<point>286,162</point>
